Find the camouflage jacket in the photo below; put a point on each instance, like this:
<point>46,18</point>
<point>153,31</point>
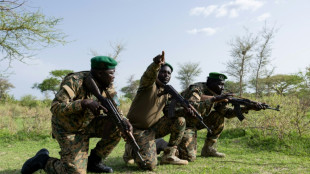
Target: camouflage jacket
<point>193,93</point>
<point>68,114</point>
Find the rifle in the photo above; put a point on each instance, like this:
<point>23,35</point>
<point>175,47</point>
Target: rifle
<point>236,102</point>
<point>114,114</point>
<point>184,103</point>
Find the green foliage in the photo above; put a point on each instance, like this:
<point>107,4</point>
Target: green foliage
<point>187,73</point>
<point>291,119</point>
<point>29,101</point>
<point>131,89</point>
<point>282,83</point>
<point>52,83</point>
<point>232,87</point>
<point>23,31</point>
<point>5,86</point>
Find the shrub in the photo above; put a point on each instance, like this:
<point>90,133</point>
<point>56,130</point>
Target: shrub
<point>29,101</point>
<point>292,117</point>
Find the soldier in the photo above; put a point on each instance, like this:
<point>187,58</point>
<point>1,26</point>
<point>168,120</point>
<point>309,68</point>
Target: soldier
<point>213,116</point>
<point>145,115</point>
<point>76,119</point>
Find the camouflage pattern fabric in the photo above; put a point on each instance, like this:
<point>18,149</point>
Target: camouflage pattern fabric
<point>73,127</point>
<point>213,116</point>
<point>146,138</point>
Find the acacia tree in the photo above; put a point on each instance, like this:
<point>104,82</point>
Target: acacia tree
<point>5,86</point>
<point>283,84</point>
<point>117,48</point>
<point>51,84</point>
<point>22,32</point>
<point>187,73</point>
<point>131,89</point>
<point>241,49</point>
<point>262,58</point>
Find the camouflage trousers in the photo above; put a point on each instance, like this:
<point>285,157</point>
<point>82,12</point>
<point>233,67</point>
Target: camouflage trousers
<point>75,146</point>
<point>146,140</point>
<point>188,146</point>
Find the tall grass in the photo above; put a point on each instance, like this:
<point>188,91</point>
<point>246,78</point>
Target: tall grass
<point>292,118</point>
<point>31,116</point>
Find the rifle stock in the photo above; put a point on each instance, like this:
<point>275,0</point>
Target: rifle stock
<point>114,114</point>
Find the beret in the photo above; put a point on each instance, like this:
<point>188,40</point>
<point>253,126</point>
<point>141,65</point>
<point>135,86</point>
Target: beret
<point>167,64</point>
<point>102,62</point>
<point>219,76</point>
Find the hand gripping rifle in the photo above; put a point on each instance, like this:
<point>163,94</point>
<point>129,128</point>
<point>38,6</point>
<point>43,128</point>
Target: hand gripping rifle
<point>114,114</point>
<point>236,102</point>
<point>185,104</point>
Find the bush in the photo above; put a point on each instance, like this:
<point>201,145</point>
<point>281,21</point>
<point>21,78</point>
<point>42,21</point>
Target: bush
<point>292,117</point>
<point>29,101</point>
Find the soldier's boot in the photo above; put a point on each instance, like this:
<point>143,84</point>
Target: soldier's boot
<point>170,157</point>
<point>95,164</point>
<point>209,151</point>
<point>36,163</point>
<point>127,156</point>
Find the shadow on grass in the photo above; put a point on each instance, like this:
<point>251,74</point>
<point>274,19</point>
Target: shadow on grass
<point>119,166</point>
<point>291,144</point>
<point>10,172</point>
<point>257,164</point>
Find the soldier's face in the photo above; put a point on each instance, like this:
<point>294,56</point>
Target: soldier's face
<point>217,86</point>
<point>104,77</point>
<point>164,74</point>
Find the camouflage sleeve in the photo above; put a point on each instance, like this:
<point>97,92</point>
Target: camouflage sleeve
<point>195,99</point>
<point>149,76</point>
<point>62,104</point>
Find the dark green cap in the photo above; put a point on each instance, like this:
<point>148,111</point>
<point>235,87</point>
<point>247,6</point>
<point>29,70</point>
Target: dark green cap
<point>219,76</point>
<point>103,62</point>
<point>167,64</point>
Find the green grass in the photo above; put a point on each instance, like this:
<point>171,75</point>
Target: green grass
<point>246,152</point>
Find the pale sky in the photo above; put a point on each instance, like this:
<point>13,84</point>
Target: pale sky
<point>187,30</point>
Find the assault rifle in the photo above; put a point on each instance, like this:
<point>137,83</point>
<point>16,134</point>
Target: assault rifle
<point>236,102</point>
<point>184,103</point>
<point>114,114</point>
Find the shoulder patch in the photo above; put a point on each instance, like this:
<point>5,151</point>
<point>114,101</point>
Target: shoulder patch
<point>69,91</point>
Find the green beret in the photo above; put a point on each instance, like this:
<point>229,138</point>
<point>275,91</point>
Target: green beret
<point>167,64</point>
<point>219,76</point>
<point>103,62</point>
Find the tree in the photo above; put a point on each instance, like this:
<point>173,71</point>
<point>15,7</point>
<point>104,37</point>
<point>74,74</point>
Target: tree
<point>117,47</point>
<point>22,32</point>
<point>5,86</point>
<point>282,84</point>
<point>131,89</point>
<point>187,73</point>
<point>241,49</point>
<point>232,87</point>
<point>52,83</point>
<point>262,58</point>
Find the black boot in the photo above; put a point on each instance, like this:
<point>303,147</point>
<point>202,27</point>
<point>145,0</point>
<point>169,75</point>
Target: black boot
<point>95,165</point>
<point>35,163</point>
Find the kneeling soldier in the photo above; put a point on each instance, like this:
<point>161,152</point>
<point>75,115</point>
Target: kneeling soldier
<point>76,119</point>
<point>145,115</point>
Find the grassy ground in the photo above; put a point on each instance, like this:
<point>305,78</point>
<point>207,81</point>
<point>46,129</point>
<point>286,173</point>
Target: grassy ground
<point>246,152</point>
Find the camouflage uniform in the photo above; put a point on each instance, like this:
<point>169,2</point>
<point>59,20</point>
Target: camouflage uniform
<point>73,127</point>
<point>213,116</point>
<point>145,115</point>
